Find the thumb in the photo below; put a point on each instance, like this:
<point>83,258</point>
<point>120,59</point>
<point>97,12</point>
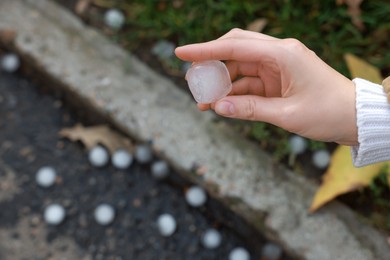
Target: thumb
<point>250,107</point>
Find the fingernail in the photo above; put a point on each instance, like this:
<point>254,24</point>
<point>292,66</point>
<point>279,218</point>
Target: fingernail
<point>224,108</point>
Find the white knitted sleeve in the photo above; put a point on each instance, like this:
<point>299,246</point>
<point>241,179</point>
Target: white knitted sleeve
<point>373,122</point>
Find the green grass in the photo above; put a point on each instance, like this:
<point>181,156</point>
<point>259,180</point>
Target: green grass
<point>323,26</point>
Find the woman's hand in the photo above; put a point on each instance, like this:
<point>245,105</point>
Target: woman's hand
<point>282,82</point>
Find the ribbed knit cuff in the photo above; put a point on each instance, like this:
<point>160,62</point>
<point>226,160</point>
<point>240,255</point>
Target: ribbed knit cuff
<point>373,122</point>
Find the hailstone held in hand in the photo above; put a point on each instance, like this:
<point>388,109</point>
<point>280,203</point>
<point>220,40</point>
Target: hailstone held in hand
<point>208,81</point>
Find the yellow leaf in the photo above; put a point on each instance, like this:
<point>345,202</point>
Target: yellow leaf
<point>342,177</point>
<point>95,135</point>
<point>362,69</point>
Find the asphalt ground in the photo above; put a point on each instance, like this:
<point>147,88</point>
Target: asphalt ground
<point>30,120</point>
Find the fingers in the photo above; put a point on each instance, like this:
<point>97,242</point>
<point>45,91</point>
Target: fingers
<point>254,108</point>
<point>244,50</point>
<point>182,52</point>
<point>242,69</point>
<point>203,107</point>
<point>248,86</point>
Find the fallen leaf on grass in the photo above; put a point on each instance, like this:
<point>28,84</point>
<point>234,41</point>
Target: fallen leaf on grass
<point>362,69</point>
<point>354,12</point>
<point>95,135</point>
<point>342,177</point>
<point>257,25</point>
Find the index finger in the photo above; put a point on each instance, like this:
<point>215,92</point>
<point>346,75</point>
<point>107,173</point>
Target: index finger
<point>249,50</point>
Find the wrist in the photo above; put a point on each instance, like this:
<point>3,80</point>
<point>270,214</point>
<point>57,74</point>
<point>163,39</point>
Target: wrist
<point>349,132</point>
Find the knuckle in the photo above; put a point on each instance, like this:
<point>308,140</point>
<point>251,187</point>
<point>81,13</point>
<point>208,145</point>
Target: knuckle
<point>285,115</point>
<point>250,109</point>
<point>288,117</point>
<point>294,44</point>
<point>234,32</point>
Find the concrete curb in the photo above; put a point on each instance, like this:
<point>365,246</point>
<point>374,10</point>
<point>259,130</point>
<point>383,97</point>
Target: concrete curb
<point>149,107</point>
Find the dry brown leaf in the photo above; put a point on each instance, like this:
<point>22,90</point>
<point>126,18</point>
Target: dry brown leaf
<point>257,25</point>
<point>94,135</point>
<point>7,35</point>
<point>362,69</point>
<point>343,177</point>
<point>354,12</point>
